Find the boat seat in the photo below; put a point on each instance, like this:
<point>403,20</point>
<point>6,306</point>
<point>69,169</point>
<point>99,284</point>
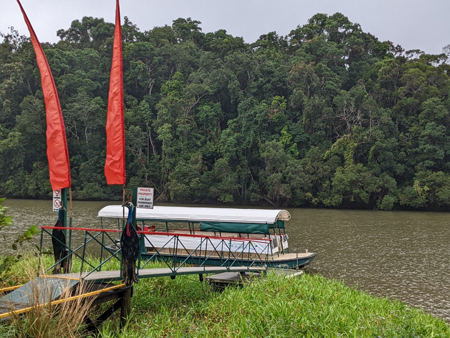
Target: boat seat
<point>258,236</point>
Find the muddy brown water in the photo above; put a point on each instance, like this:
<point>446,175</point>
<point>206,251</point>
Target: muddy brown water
<point>400,255</point>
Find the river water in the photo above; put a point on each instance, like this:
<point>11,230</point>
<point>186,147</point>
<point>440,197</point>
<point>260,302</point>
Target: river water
<point>401,255</point>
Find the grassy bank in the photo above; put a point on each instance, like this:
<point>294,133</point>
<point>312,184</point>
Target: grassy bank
<point>308,306</point>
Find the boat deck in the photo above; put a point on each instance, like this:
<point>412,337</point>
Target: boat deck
<point>245,257</point>
<point>291,256</point>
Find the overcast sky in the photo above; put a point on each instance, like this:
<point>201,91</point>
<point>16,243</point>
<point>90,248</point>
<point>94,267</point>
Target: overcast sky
<point>414,24</point>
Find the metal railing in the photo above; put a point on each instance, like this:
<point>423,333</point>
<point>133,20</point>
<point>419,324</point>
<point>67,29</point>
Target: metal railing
<point>207,248</point>
<point>106,242</point>
<point>226,251</point>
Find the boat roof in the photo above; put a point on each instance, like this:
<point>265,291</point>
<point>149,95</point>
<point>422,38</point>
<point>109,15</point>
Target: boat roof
<point>195,214</point>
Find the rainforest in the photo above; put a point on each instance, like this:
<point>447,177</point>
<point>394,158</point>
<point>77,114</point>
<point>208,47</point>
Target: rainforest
<point>327,116</point>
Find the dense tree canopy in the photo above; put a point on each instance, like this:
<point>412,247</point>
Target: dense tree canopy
<point>327,116</point>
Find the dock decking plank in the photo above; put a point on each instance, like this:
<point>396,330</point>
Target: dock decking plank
<point>160,272</point>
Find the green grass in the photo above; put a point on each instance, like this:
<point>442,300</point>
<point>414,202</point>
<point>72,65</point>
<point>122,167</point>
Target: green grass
<point>307,306</point>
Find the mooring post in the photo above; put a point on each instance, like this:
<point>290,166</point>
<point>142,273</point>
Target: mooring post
<point>125,307</point>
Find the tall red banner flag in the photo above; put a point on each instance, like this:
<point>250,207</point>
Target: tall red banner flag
<point>115,133</point>
<point>57,153</point>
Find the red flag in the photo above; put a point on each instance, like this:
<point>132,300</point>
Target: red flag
<point>115,133</point>
<point>57,153</point>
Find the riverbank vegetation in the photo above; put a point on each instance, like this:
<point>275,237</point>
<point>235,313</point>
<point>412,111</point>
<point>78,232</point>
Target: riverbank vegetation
<point>327,116</point>
<point>306,306</point>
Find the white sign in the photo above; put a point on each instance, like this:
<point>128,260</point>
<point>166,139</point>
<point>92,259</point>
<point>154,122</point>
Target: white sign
<point>56,200</point>
<point>144,198</point>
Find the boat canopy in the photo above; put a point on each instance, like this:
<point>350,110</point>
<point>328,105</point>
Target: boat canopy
<point>249,228</point>
<point>194,214</point>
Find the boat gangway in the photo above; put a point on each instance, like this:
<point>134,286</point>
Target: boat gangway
<point>96,283</point>
<point>194,259</point>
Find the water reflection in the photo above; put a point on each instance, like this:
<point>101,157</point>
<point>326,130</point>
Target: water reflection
<point>402,255</point>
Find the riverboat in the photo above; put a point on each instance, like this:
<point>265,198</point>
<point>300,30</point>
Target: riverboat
<point>213,236</point>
